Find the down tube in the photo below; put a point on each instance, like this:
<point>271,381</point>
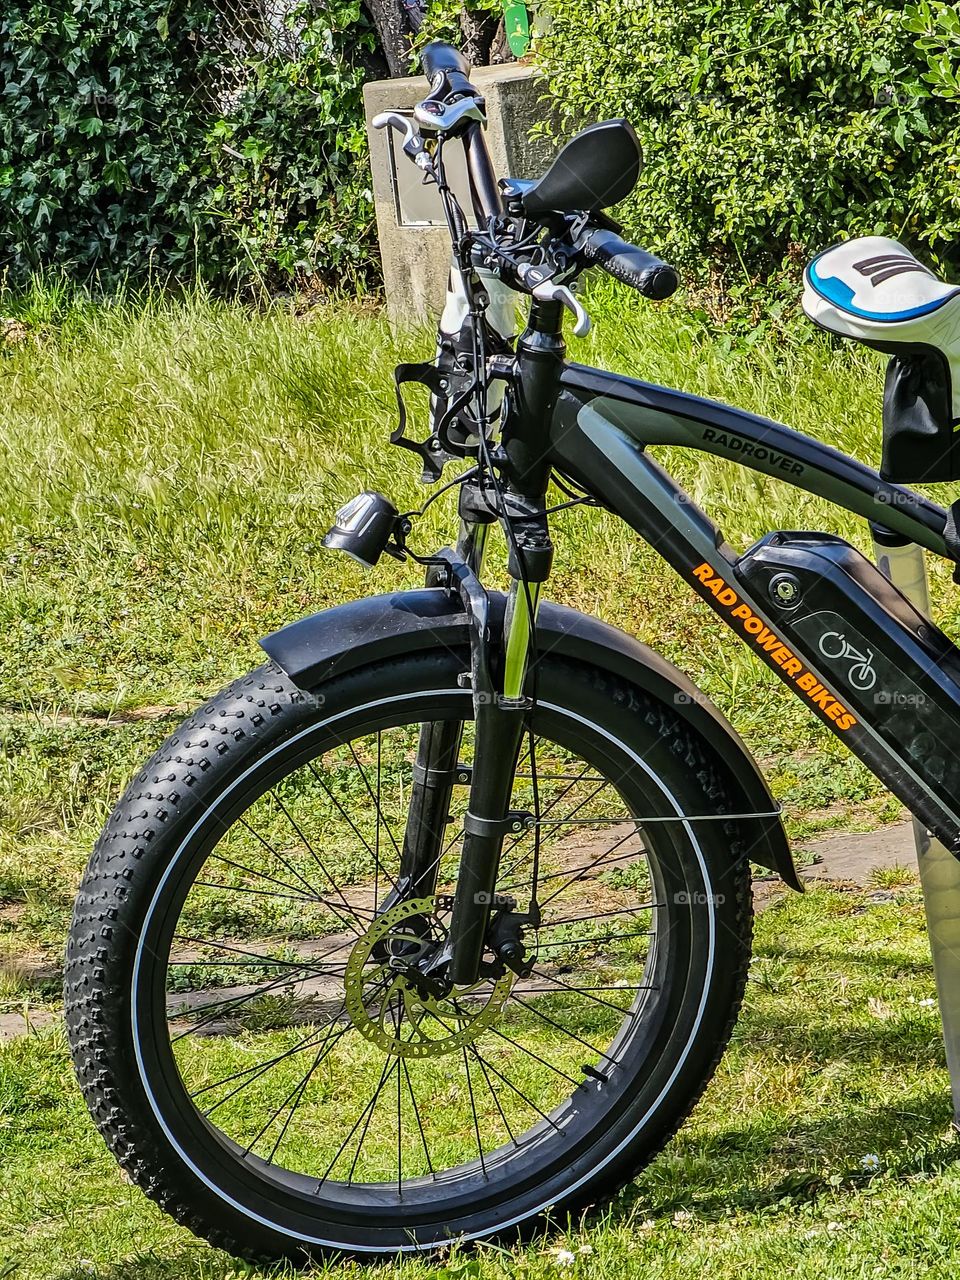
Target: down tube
<point>613,467</point>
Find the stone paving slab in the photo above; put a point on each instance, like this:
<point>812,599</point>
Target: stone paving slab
<point>847,856</point>
<point>844,858</point>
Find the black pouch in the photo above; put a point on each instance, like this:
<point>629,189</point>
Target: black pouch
<point>921,444</point>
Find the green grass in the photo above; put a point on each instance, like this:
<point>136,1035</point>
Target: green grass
<point>167,470</point>
<point>837,1057</point>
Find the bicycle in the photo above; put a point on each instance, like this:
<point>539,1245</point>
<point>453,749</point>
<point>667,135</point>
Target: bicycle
<point>433,928</point>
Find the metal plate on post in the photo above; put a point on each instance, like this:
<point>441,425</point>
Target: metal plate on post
<point>418,203</point>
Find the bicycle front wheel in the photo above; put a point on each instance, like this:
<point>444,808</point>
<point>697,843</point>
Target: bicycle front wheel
<point>241,1034</point>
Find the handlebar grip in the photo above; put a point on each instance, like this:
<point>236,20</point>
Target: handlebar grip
<point>635,267</point>
<point>439,58</point>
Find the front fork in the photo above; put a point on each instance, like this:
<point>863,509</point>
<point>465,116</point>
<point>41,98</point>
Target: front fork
<point>437,768</point>
<point>500,707</point>
<point>499,719</point>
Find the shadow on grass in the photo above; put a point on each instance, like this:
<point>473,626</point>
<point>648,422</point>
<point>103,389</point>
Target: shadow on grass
<point>176,1264</point>
<point>726,1171</point>
<point>895,962</point>
<point>897,1040</point>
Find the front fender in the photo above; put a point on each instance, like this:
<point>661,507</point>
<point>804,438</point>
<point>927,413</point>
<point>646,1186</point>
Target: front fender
<point>339,640</point>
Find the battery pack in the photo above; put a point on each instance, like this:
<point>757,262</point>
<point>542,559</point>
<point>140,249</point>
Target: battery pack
<point>894,676</point>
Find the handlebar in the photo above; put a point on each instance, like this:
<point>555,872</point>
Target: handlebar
<point>439,58</point>
<point>455,108</point>
<point>635,267</point>
<point>448,72</point>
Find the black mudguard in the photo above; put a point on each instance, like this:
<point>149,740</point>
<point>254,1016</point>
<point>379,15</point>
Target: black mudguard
<point>339,640</point>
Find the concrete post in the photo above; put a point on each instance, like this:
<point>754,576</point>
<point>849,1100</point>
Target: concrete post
<point>414,242</point>
<point>904,565</point>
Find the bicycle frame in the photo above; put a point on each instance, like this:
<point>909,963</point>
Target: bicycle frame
<point>600,429</point>
<point>594,427</point>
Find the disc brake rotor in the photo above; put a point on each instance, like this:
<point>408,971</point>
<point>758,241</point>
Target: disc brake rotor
<point>385,1005</point>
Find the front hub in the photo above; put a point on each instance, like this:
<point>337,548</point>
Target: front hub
<point>403,1011</point>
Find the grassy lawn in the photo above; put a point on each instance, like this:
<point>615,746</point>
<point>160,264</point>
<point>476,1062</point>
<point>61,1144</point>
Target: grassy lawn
<point>837,1057</point>
<point>167,471</point>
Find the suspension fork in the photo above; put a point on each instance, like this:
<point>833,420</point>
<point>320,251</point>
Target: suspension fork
<point>501,718</point>
<point>437,768</point>
<point>500,723</point>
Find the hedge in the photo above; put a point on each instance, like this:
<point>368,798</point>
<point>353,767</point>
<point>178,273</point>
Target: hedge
<point>118,159</point>
<point>770,128</point>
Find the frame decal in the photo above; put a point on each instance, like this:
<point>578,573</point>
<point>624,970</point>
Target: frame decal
<point>757,633</point>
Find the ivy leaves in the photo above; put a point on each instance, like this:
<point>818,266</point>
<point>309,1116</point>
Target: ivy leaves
<point>122,155</point>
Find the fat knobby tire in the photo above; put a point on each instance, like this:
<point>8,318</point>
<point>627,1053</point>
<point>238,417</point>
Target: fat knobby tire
<point>251,716</point>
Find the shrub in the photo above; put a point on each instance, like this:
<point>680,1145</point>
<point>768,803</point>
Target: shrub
<point>122,155</point>
<point>769,128</point>
<point>99,112</point>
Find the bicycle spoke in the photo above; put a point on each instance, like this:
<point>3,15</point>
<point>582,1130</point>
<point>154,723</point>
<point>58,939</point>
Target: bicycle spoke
<point>510,1085</point>
<point>266,893</point>
<point>416,1112</point>
<point>339,807</point>
<point>559,1027</point>
<point>589,942</point>
<point>600,915</point>
<point>579,876</point>
<point>473,1108</point>
<point>587,866</point>
<point>496,1098</point>
<point>319,861</point>
<point>219,1007</point>
<point>536,1057</point>
<point>587,991</point>
<point>291,1101</point>
<point>309,895</point>
<point>375,799</point>
<point>396,1028</point>
<point>293,1108</point>
<point>268,1066</point>
<point>547,809</point>
<point>276,854</point>
<point>365,1117</point>
<point>245,1071</point>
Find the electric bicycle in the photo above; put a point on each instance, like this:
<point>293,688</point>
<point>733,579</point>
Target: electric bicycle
<point>433,928</point>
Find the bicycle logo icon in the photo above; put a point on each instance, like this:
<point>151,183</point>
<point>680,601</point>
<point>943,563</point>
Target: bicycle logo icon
<point>861,673</point>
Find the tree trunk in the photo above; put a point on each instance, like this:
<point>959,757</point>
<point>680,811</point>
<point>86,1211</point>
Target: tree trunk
<point>479,28</point>
<point>392,18</point>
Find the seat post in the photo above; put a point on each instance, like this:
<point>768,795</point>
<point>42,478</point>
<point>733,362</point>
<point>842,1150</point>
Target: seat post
<point>903,563</point>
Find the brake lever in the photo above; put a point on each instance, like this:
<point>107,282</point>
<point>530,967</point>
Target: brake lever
<point>545,289</point>
<point>413,143</point>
